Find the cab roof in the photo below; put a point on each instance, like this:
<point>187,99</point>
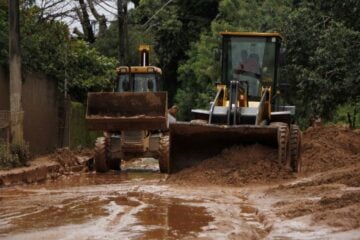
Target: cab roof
<point>138,69</point>
<point>252,34</point>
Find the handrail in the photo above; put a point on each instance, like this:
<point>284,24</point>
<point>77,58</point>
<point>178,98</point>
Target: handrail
<point>213,105</point>
<point>261,104</point>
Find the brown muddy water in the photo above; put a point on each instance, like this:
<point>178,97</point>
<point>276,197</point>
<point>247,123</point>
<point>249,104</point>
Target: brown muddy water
<point>128,205</point>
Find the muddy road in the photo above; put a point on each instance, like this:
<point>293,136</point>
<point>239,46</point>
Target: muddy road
<point>216,199</point>
<point>127,205</point>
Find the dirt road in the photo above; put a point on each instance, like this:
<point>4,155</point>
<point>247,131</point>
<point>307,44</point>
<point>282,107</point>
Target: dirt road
<point>213,200</point>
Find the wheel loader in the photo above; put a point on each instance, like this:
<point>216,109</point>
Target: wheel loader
<point>245,110</point>
<point>133,117</point>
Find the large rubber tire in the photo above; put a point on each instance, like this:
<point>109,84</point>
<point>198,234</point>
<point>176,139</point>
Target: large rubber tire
<point>113,160</point>
<point>283,138</point>
<point>295,148</point>
<point>101,154</point>
<point>164,164</point>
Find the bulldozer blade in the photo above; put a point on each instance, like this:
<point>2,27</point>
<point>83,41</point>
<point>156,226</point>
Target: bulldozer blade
<point>126,111</point>
<point>192,143</point>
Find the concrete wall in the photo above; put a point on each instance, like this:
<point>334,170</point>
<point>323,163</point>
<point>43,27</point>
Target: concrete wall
<point>41,107</point>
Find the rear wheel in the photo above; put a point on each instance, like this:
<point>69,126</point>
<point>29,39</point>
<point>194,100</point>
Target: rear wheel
<point>295,148</point>
<point>101,152</point>
<point>164,154</point>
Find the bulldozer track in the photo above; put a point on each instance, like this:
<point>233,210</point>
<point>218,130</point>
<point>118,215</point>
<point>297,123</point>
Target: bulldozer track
<point>101,155</point>
<point>164,154</point>
<point>295,148</point>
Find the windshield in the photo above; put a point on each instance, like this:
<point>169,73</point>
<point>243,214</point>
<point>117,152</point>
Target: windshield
<point>250,60</point>
<point>124,83</point>
<point>145,82</point>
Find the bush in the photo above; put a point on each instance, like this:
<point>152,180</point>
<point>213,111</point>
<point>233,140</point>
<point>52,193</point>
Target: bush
<point>13,155</point>
<point>352,109</point>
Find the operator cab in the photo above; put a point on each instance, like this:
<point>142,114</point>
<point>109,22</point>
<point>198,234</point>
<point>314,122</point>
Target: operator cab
<point>251,59</point>
<point>138,79</point>
<point>248,81</point>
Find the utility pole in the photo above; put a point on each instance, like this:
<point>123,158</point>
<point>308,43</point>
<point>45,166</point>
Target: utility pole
<point>16,113</point>
<point>122,30</point>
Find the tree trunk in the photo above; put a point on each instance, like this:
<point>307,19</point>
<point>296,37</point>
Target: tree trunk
<point>100,18</point>
<point>122,21</point>
<point>16,113</point>
<point>85,22</point>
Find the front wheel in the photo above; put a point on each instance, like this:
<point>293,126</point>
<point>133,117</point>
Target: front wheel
<point>164,154</point>
<point>283,143</point>
<point>295,148</point>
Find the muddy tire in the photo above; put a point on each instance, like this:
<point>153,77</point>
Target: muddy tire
<point>115,154</point>
<point>101,154</point>
<point>283,143</point>
<point>164,154</point>
<point>295,148</point>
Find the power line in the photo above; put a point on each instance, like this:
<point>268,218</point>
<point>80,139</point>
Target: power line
<point>167,3</point>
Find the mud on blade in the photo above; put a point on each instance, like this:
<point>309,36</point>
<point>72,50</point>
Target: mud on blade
<point>192,143</point>
<point>126,111</point>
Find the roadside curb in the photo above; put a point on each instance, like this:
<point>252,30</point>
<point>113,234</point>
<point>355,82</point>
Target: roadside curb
<point>41,169</point>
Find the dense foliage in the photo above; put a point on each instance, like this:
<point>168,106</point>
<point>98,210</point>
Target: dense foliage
<point>323,61</point>
<point>47,47</point>
<point>3,33</point>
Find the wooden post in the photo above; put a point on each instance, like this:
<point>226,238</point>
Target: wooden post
<point>16,113</point>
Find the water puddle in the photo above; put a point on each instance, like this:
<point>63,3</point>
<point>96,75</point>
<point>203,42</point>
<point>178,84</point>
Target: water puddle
<point>170,219</point>
<point>130,205</point>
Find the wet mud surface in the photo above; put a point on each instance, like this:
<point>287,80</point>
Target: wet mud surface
<point>127,205</point>
<point>322,202</point>
<point>216,199</point>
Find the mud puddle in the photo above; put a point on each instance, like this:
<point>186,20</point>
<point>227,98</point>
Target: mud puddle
<point>126,205</point>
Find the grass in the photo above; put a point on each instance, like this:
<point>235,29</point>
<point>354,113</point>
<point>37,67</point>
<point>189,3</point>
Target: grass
<point>341,116</point>
<point>80,137</point>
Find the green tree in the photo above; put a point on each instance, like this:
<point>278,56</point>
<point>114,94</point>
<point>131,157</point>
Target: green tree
<point>174,27</point>
<point>3,33</point>
<point>47,47</point>
<point>323,63</point>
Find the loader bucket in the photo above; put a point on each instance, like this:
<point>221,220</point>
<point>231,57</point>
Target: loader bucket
<point>126,111</point>
<point>192,143</point>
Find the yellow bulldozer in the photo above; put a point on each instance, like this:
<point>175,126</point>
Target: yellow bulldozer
<point>246,109</point>
<point>133,117</point>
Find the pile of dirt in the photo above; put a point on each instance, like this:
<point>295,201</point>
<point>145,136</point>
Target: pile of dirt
<point>329,191</point>
<point>236,166</point>
<point>330,147</point>
<point>69,158</point>
<point>323,149</point>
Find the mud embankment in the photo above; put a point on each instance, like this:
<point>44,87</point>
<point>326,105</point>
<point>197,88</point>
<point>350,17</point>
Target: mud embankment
<point>62,162</point>
<point>322,201</point>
